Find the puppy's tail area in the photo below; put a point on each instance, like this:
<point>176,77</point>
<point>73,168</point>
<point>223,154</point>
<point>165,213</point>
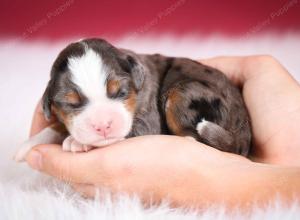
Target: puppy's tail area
<point>216,136</point>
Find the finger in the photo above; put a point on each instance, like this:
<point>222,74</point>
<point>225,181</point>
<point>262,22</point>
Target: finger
<point>85,190</point>
<point>39,122</point>
<point>70,167</point>
<point>232,67</point>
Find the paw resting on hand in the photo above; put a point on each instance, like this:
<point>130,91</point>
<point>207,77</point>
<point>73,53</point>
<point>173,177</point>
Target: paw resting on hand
<point>70,144</point>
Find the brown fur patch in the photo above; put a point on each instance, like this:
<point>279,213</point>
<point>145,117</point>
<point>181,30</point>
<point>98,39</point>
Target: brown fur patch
<point>62,116</point>
<point>72,97</point>
<point>130,102</point>
<point>59,127</point>
<point>113,87</point>
<point>172,121</point>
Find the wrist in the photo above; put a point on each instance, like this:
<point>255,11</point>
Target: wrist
<point>255,183</point>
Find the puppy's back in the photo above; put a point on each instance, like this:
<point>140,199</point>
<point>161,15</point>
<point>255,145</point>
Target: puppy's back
<point>200,101</point>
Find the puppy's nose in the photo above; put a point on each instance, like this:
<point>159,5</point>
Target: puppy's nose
<point>103,129</point>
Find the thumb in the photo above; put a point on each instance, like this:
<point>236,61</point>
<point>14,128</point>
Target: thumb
<point>39,122</point>
<point>73,167</point>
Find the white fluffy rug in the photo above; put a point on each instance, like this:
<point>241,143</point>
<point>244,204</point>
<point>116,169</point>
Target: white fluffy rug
<point>25,194</point>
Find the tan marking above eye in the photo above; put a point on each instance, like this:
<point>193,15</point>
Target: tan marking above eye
<point>72,97</point>
<point>113,87</point>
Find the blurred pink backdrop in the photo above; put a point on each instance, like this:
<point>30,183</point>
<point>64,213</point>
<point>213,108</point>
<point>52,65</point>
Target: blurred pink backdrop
<point>57,19</point>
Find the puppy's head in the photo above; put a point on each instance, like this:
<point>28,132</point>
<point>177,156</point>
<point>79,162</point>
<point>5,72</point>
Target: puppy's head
<point>93,91</point>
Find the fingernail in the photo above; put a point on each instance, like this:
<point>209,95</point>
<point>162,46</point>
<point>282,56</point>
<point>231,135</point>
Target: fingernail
<point>34,158</point>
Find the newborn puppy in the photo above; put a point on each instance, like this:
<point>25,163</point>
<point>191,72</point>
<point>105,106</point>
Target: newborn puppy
<point>103,94</point>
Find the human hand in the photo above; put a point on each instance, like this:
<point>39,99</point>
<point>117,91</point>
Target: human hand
<point>153,167</point>
<point>272,98</point>
<point>157,167</point>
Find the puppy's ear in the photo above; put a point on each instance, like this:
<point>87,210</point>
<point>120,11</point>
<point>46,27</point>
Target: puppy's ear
<point>47,100</point>
<point>133,66</point>
<point>137,71</point>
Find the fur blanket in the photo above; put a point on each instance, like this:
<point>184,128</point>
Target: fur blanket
<point>26,194</point>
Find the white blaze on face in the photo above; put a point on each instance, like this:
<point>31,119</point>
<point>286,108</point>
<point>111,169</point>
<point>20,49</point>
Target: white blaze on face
<point>102,119</point>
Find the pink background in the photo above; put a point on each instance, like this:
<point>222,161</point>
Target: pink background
<point>30,19</point>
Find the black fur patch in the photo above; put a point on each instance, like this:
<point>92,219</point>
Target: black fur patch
<point>61,63</point>
<point>208,110</point>
<point>206,70</point>
<point>205,83</point>
<point>127,64</point>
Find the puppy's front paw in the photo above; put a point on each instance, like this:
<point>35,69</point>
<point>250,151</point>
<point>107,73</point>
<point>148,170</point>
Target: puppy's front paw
<point>70,144</point>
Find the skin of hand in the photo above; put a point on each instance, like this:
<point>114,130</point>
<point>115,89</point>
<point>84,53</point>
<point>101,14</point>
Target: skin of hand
<point>272,98</point>
<point>189,173</point>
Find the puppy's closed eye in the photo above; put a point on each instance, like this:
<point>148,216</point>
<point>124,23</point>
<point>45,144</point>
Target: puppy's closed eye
<point>121,94</point>
<point>73,99</point>
<point>115,90</point>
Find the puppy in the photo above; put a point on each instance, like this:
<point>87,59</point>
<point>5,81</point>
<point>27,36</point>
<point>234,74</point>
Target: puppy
<point>102,94</point>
